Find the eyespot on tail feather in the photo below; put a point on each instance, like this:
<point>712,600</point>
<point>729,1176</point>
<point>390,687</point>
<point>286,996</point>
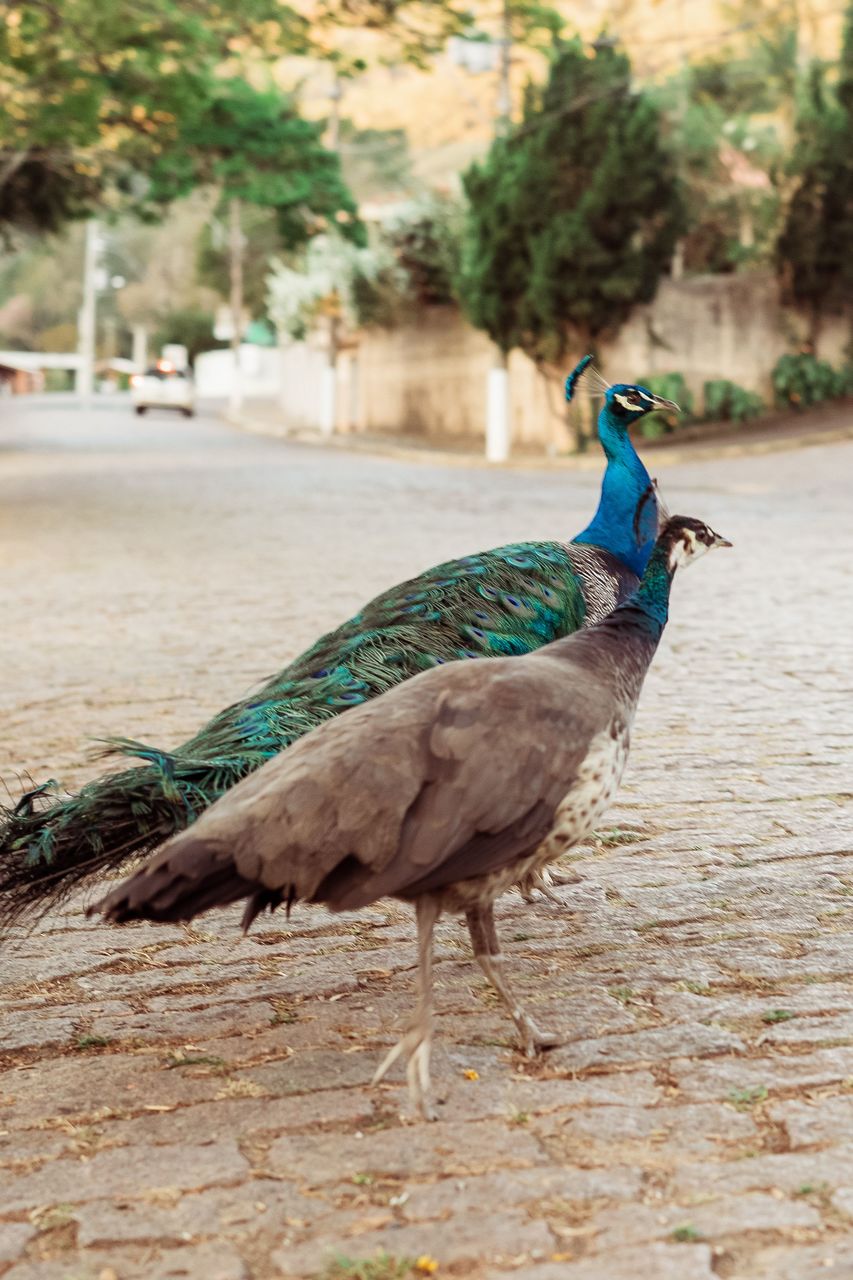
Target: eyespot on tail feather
<point>575,376</point>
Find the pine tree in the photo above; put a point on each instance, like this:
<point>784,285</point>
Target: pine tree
<point>815,247</point>
<point>574,213</point>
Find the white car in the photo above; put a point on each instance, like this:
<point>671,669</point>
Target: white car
<point>163,387</point>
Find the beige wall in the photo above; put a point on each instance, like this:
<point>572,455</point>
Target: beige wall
<point>429,379</point>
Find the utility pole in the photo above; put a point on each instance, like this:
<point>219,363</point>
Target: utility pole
<point>498,422</point>
<point>88,315</point>
<point>235,255</point>
<point>677,265</point>
<point>504,100</point>
<point>329,388</point>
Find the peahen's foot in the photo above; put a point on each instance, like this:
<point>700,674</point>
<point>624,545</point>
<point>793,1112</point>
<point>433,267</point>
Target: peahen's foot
<point>533,1040</point>
<point>416,1045</point>
<point>541,882</point>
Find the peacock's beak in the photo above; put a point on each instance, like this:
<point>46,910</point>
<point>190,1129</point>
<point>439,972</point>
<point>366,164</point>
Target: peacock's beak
<point>660,403</point>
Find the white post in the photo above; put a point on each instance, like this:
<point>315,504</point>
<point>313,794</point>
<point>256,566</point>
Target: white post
<point>87,320</point>
<point>139,354</point>
<point>328,400</point>
<point>497,415</point>
<point>235,254</point>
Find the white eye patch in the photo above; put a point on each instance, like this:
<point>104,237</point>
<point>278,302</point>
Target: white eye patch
<point>626,404</point>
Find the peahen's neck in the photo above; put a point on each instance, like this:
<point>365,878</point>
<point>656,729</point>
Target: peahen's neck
<point>614,525</point>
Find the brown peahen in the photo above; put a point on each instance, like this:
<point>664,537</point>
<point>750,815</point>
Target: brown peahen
<point>443,792</point>
<point>506,601</point>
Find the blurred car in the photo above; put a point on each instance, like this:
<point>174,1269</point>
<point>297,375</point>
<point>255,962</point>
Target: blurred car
<point>163,387</point>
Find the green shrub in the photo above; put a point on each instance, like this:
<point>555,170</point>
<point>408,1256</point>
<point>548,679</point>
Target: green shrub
<point>672,387</point>
<point>800,381</point>
<point>725,401</point>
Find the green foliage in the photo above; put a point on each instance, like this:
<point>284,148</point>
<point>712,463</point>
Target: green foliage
<point>815,248</point>
<point>90,93</point>
<point>672,387</point>
<point>254,146</point>
<point>725,401</point>
<point>686,1234</point>
<point>574,213</point>
<point>97,98</point>
<point>800,381</point>
<point>380,1267</point>
<point>426,244</point>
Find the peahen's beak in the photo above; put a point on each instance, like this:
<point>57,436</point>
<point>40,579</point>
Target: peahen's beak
<point>721,542</point>
<point>660,403</point>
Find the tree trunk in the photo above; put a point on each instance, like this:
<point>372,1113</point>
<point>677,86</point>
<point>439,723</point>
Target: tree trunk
<point>498,426</point>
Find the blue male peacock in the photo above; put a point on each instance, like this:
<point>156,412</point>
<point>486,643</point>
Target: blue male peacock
<point>510,600</point>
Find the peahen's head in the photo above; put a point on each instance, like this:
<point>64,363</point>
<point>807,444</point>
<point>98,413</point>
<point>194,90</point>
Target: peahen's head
<point>683,540</point>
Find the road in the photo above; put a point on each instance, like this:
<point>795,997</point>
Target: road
<point>191,1103</point>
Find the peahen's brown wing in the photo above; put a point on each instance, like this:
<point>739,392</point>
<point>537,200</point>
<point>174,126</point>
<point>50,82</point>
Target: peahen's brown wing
<point>449,776</point>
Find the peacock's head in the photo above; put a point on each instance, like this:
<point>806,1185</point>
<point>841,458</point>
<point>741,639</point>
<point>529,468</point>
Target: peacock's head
<point>684,540</point>
<point>627,402</point>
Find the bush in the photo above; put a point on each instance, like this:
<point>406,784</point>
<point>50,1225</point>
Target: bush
<point>725,401</point>
<point>672,387</point>
<point>800,381</point>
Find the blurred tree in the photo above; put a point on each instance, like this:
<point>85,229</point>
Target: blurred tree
<point>92,94</point>
<point>815,247</point>
<point>263,241</point>
<point>253,146</point>
<point>375,161</point>
<point>189,326</point>
<point>426,242</point>
<point>573,214</point>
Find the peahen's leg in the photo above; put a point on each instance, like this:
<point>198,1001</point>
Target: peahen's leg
<point>484,940</point>
<point>415,1044</point>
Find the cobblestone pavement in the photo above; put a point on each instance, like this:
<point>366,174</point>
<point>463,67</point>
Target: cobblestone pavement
<point>189,1103</point>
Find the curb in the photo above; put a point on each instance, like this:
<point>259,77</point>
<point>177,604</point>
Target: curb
<point>664,455</point>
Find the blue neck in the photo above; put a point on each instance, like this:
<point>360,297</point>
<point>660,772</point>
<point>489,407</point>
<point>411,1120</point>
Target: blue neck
<point>625,481</point>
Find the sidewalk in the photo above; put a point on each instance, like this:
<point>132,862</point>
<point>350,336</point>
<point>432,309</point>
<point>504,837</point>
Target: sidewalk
<point>698,442</point>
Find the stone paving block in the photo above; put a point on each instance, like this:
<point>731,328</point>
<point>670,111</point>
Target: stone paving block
<point>816,1122</point>
<point>690,1129</point>
<point>312,1069</point>
<point>82,1084</point>
<point>474,1239</point>
<point>121,1172</point>
<point>405,1152</point>
<point>789,1172</point>
<point>711,1219</point>
<point>724,1077</point>
<point>519,1187</point>
<point>684,1040</point>
<point>36,1032</point>
<point>656,1262</point>
<point>212,1262</point>
<point>243,1210</point>
<point>832,1260</point>
<point>13,1237</point>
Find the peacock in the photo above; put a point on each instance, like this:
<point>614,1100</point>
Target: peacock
<point>442,792</point>
<point>502,602</point>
